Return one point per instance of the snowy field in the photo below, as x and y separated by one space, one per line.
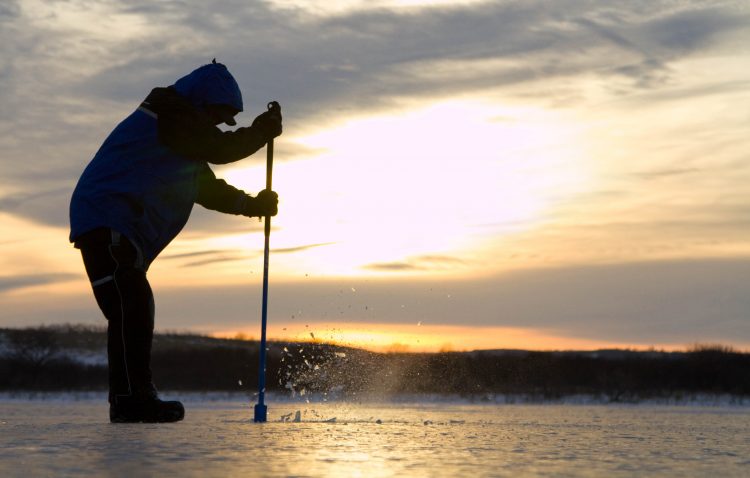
66 437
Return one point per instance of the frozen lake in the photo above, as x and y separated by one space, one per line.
218 438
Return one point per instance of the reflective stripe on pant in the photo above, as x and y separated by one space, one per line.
124 295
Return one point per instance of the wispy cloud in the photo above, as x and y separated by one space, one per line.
232 255
393 266
41 206
432 263
675 172
215 259
670 302
192 254
291 250
23 281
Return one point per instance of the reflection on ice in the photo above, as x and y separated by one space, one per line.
408 439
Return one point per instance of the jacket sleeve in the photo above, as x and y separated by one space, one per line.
188 131
217 195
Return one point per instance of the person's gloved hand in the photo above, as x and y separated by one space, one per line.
268 123
266 203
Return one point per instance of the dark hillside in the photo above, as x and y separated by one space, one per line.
71 358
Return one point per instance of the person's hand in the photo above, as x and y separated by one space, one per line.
266 203
268 123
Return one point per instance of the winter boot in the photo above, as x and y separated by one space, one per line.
147 409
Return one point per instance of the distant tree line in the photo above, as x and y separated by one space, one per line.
65 359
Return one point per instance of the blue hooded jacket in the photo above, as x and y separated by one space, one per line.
145 189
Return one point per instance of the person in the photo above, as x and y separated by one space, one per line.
136 195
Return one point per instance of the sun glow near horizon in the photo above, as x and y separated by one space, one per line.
419 337
395 192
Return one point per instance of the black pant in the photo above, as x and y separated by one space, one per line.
118 277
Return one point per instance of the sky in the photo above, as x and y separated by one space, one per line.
453 175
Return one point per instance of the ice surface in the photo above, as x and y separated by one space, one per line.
219 438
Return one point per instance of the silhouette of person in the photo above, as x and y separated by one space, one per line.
136 195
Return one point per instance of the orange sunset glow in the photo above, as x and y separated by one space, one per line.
425 338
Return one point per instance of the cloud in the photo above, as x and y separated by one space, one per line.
694 29
419 263
9 10
216 259
207 257
367 57
666 173
393 266
291 250
669 302
649 73
192 254
23 281
45 207
232 255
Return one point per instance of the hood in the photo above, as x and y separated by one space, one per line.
210 84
